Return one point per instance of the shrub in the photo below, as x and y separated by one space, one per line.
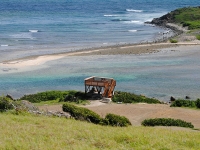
166 122
198 37
116 120
83 114
54 95
198 103
5 104
173 41
183 103
126 97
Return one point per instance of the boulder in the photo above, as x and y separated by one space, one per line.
187 97
172 99
10 97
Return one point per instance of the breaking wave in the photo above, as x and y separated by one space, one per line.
110 15
33 31
134 10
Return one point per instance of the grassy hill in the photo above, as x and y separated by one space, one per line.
187 16
45 133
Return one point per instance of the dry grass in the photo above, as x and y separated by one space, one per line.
45 133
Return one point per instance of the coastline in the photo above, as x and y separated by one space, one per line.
124 49
134 49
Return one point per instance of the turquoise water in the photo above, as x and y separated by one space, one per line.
161 75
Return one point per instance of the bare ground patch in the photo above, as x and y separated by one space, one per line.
136 113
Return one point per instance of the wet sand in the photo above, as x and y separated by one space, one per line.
136 49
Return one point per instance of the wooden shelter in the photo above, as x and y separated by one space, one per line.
102 86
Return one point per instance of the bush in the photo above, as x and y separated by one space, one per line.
183 103
198 37
82 114
85 114
116 120
54 95
126 97
5 104
167 122
173 41
198 103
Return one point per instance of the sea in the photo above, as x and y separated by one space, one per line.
38 27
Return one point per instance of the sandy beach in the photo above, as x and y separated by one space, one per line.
136 49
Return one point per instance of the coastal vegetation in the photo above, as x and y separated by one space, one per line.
80 97
173 41
5 103
198 37
166 122
84 114
126 97
186 103
61 96
187 17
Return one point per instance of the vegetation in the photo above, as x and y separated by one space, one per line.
198 37
5 103
173 41
60 96
186 103
183 103
48 133
198 103
85 114
116 120
126 97
82 114
188 16
167 122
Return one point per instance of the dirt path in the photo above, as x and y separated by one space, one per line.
136 113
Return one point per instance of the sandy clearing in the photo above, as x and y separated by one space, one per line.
136 113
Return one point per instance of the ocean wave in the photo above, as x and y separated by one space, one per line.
134 10
110 15
33 31
22 36
4 45
134 22
132 30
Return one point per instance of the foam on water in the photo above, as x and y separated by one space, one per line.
111 15
4 45
22 36
132 30
134 10
33 31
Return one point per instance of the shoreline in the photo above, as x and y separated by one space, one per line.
134 49
122 49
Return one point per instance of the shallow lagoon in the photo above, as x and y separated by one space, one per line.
170 72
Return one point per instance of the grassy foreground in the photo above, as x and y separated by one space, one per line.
27 132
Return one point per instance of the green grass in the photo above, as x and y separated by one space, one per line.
55 102
45 133
188 16
198 37
127 97
173 41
